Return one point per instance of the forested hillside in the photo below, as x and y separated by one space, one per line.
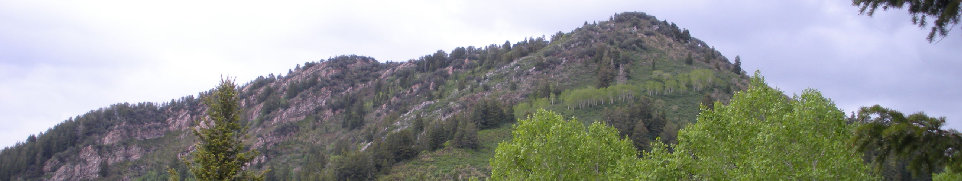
439 116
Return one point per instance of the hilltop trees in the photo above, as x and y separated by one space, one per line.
945 12
738 65
220 151
25 160
432 62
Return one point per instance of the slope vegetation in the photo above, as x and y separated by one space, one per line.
438 116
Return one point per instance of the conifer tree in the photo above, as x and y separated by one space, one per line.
945 12
220 153
888 135
738 65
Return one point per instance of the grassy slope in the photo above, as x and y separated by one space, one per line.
451 163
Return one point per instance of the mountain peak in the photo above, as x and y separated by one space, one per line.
352 111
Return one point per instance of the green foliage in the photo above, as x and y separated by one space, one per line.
315 162
661 83
761 135
273 102
737 68
220 151
945 12
25 160
708 101
638 121
606 75
547 147
354 166
488 113
607 62
888 135
947 175
466 136
402 145
433 62
459 53
418 124
586 97
543 90
354 111
296 87
435 135
352 125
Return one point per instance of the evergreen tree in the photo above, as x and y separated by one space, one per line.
916 138
946 12
738 65
220 151
466 136
606 75
640 135
487 113
418 124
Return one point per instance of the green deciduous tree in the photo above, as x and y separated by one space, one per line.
220 153
760 135
547 147
945 12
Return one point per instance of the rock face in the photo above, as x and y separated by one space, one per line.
126 142
85 168
90 163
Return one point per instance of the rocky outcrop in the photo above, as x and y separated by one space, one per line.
86 167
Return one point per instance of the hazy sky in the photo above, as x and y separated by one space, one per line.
59 59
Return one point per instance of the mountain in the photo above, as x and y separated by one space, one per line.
439 116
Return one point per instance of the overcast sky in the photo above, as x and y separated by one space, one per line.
59 59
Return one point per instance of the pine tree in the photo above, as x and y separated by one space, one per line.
738 65
945 12
606 75
220 151
466 136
